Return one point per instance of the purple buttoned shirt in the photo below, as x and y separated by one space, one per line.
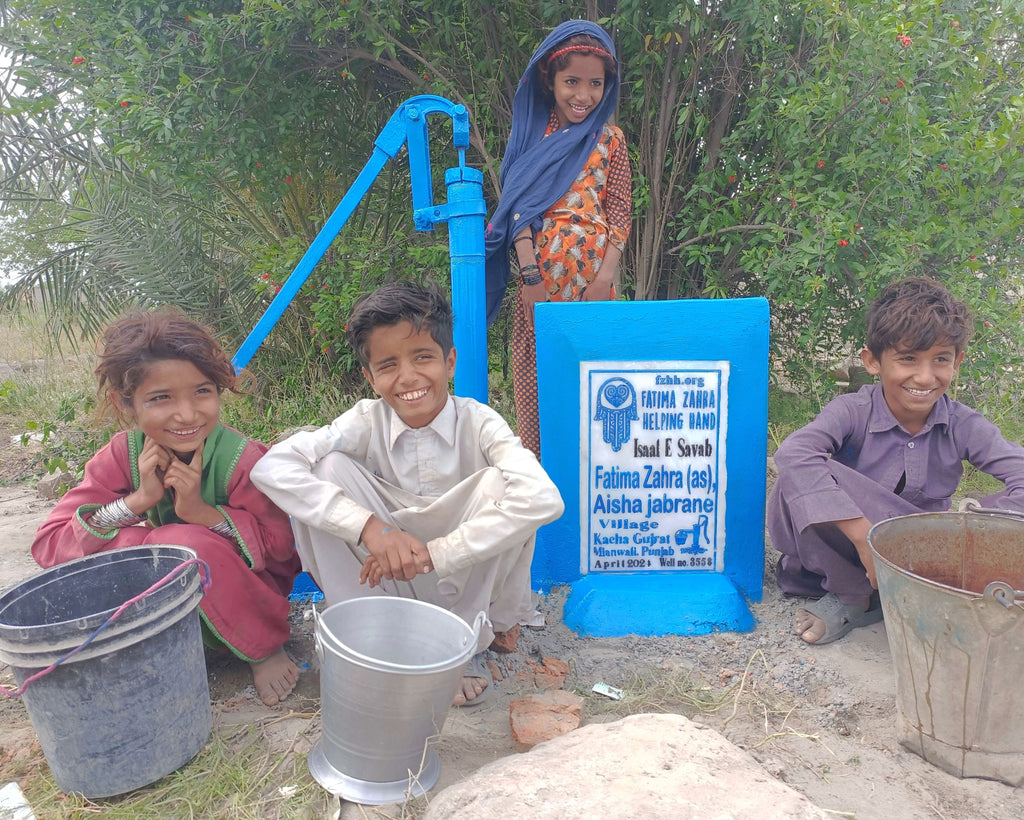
860 431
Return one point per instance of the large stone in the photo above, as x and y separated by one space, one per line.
644 766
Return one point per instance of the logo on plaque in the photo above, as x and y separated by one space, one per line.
653 487
616 409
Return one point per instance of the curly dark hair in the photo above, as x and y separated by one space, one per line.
128 348
422 306
916 313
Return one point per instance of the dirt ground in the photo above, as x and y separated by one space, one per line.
820 719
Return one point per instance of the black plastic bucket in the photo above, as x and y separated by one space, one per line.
134 705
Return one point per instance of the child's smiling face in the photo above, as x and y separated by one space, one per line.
409 371
176 405
578 88
914 380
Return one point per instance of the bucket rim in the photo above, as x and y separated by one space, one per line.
368 662
153 606
963 515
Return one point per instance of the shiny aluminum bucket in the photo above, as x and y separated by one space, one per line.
389 670
954 617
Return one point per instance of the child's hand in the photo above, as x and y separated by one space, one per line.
530 296
371 572
856 529
600 290
185 480
399 554
869 565
868 560
153 462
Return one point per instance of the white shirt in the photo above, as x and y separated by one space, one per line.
464 438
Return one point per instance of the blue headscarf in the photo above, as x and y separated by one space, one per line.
536 174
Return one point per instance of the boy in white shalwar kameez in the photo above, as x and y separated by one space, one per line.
419 493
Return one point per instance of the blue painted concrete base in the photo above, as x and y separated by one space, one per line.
606 606
305 589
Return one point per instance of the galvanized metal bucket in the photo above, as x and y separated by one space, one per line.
389 670
954 614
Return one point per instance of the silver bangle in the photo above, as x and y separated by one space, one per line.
113 516
224 528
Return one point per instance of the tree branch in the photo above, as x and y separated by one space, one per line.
732 229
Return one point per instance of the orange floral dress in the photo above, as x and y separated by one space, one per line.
571 245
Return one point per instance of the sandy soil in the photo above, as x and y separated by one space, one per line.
821 719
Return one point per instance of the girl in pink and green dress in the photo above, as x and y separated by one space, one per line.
179 476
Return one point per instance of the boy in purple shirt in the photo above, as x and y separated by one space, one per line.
891 449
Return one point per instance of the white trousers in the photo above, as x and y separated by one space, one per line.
499 586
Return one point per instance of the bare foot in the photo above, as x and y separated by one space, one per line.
811 627
474 682
274 677
471 689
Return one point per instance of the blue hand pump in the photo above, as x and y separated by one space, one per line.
464 212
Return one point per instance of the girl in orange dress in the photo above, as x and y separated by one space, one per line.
566 199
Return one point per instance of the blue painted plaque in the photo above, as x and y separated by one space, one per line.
659 449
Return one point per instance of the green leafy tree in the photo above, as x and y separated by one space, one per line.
809 152
812 152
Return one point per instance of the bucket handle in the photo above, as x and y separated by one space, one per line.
479 622
204 582
317 643
998 591
1003 593
972 505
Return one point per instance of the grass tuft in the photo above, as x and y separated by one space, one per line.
234 776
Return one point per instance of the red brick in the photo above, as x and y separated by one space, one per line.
540 717
505 642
